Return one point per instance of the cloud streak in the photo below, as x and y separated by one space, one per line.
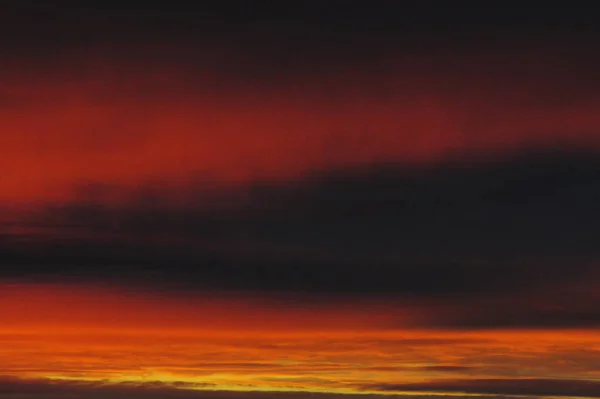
527 387
44 389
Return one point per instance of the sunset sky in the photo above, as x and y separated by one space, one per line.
252 199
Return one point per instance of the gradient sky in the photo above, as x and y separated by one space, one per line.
245 199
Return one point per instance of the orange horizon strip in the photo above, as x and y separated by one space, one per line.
87 333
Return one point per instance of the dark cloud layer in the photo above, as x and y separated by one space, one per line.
464 229
532 207
45 389
42 389
292 33
15 387
539 387
329 16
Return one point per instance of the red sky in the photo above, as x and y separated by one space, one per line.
176 119
90 119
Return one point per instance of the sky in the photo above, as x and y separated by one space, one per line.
252 199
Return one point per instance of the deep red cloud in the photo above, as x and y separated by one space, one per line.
100 119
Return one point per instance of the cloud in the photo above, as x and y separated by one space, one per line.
448 368
520 208
494 230
136 113
528 387
46 389
42 389
491 388
316 360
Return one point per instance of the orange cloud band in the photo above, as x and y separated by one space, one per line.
84 333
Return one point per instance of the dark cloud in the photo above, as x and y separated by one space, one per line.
325 17
464 229
528 316
463 221
297 37
45 389
10 387
387 210
533 386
